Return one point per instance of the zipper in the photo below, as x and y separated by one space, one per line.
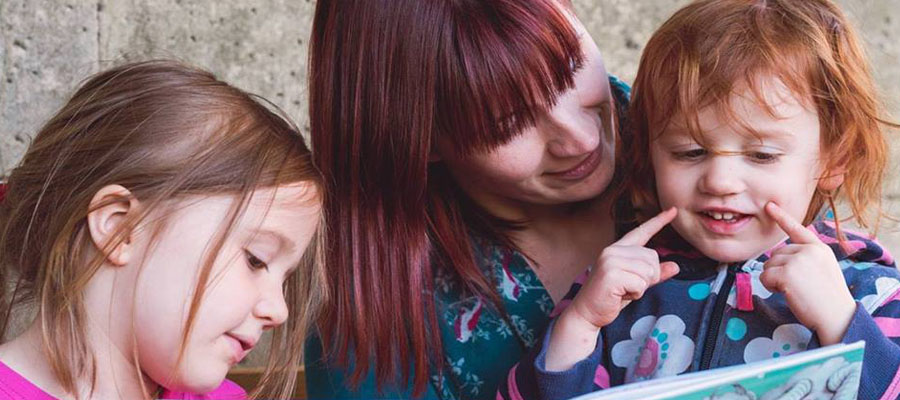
718 310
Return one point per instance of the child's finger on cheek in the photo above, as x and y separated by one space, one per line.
643 233
794 229
783 219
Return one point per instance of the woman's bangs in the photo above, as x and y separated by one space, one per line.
497 79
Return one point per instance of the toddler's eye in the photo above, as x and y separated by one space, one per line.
689 155
254 262
762 157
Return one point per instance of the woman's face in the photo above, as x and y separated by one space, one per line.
568 156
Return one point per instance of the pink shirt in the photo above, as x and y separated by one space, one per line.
15 387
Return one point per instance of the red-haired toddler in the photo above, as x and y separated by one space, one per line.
750 118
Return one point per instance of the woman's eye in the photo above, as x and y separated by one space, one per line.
689 155
575 64
762 157
254 262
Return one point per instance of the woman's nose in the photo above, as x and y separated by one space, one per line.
570 130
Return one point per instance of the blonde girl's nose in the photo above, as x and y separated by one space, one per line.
271 307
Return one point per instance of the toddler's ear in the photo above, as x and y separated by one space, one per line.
110 209
832 178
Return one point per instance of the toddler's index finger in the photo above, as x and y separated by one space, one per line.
642 234
795 230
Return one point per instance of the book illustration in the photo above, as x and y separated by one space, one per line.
831 372
835 379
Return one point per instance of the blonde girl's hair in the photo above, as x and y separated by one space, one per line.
163 130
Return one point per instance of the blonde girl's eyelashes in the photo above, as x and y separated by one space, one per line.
254 262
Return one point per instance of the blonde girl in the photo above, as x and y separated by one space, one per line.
157 223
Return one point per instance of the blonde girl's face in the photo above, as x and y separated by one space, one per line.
243 297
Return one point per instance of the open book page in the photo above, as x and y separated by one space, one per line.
805 375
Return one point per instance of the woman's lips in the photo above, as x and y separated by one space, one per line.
582 170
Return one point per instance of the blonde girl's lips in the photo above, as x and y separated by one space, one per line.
239 350
582 170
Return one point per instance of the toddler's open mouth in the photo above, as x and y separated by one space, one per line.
730 217
722 221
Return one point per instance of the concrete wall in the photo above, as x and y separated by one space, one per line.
48 46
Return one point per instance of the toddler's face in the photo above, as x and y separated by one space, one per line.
721 189
243 295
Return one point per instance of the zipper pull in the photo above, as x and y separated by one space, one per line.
744 290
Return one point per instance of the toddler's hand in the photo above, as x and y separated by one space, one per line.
808 275
623 272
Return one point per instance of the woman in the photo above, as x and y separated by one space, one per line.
467 148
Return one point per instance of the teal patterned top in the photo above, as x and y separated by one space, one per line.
480 344
478 341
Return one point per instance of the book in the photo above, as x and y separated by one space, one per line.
831 372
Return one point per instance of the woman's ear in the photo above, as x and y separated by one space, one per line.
111 208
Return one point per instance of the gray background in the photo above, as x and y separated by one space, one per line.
48 46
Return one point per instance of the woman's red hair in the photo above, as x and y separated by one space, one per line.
386 81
